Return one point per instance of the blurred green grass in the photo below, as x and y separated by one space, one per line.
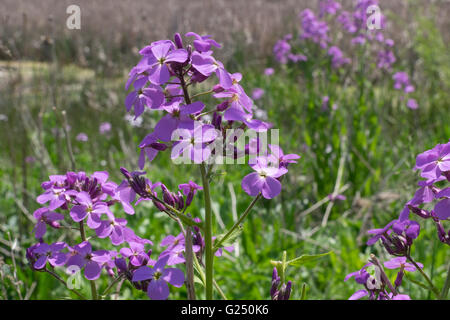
377 137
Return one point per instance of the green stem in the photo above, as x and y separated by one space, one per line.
432 287
446 287
209 254
202 93
57 277
111 285
237 223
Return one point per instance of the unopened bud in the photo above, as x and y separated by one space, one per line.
178 41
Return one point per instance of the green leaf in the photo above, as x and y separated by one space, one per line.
305 258
230 239
198 280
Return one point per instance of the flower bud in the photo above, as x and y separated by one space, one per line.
126 173
398 280
218 88
158 146
180 201
55 224
159 205
178 41
189 198
222 106
168 197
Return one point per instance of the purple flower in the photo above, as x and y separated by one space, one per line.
113 228
81 256
45 217
150 148
158 289
435 161
140 98
189 190
136 254
385 59
313 28
51 253
158 55
400 262
86 208
264 180
54 195
412 104
425 194
257 93
206 65
105 127
281 50
379 233
237 114
82 137
269 71
176 115
329 7
337 57
203 43
193 142
361 276
277 156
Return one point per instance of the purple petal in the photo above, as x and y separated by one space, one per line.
92 270
358 295
78 213
173 276
143 273
252 184
158 290
271 188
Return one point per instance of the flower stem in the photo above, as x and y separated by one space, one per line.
432 287
237 223
209 254
57 277
111 285
446 287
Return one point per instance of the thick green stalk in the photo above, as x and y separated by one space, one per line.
209 254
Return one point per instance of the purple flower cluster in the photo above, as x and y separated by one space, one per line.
352 22
434 167
313 28
402 83
160 81
398 235
88 200
378 287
